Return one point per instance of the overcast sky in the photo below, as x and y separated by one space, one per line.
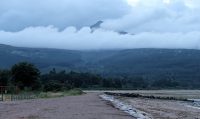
64 24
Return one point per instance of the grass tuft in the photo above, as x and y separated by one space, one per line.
72 92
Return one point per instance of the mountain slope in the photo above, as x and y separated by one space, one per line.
41 57
151 63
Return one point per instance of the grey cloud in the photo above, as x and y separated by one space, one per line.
18 14
178 16
155 24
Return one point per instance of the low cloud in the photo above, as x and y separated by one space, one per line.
84 39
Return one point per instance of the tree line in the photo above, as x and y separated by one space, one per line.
27 76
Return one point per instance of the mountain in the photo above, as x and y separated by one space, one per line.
97 25
43 58
151 63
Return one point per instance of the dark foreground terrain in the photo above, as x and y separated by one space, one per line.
88 106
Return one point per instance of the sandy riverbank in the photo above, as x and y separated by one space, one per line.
164 109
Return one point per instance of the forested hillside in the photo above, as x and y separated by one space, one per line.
178 64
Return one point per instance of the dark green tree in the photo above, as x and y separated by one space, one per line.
5 78
165 83
26 75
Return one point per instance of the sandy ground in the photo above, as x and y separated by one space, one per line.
189 94
88 106
162 109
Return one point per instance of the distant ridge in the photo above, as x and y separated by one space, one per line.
178 64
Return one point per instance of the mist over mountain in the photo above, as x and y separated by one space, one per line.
153 39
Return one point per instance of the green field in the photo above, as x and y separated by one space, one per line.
36 95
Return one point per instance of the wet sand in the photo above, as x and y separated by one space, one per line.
164 109
88 106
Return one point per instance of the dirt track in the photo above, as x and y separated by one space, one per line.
88 106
